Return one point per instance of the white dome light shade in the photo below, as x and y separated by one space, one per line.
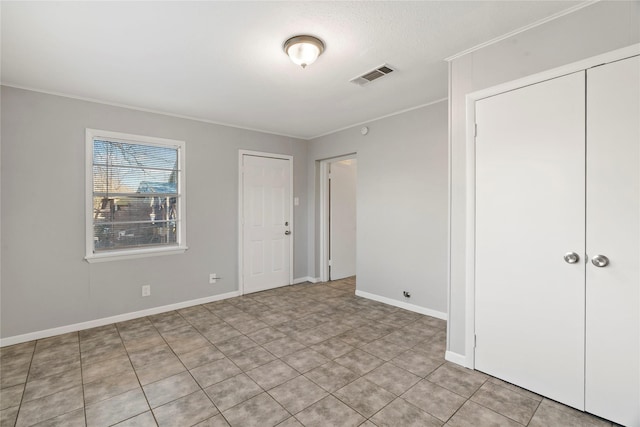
303 50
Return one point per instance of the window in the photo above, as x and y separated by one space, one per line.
135 196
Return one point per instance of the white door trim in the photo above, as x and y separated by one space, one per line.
241 154
470 243
324 213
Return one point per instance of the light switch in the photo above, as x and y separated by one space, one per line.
296 201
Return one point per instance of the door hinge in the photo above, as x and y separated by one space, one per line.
475 340
475 130
329 263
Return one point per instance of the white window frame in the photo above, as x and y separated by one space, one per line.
122 254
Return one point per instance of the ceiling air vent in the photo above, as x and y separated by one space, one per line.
372 75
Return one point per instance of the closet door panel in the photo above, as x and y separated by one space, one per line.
612 383
530 189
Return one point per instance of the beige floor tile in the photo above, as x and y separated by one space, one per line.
214 372
11 396
48 367
252 358
184 339
525 393
283 346
165 322
433 399
8 416
117 408
384 350
71 419
359 361
249 326
116 366
401 413
290 422
416 362
333 348
215 421
14 373
109 386
263 336
331 376
364 396
157 371
296 394
472 415
305 360
148 342
186 411
551 413
507 402
329 412
18 350
50 406
145 419
460 380
147 356
169 389
272 374
200 356
103 352
236 345
230 392
259 411
392 378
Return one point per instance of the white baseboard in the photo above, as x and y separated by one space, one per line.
17 339
405 305
458 359
305 279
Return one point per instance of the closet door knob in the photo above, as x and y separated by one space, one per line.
600 261
571 257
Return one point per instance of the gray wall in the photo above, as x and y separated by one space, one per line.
401 204
593 30
45 281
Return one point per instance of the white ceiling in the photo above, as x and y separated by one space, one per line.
223 61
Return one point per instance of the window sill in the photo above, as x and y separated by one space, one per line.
134 253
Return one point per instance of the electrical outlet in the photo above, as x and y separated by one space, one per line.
146 290
213 278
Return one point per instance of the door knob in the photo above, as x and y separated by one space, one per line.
600 261
286 233
571 257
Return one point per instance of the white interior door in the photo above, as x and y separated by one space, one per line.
342 218
612 388
266 223
530 199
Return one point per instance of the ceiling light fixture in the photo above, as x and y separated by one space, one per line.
303 50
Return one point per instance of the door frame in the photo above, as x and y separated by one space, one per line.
241 154
470 234
324 212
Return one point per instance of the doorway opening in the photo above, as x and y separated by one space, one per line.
338 219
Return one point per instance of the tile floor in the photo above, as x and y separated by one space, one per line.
311 355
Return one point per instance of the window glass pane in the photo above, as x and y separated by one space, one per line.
135 195
134 209
127 180
127 235
134 155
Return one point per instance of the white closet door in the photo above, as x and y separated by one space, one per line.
613 229
530 190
